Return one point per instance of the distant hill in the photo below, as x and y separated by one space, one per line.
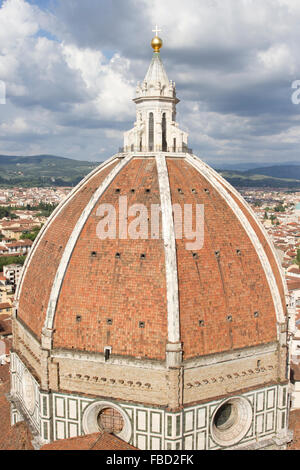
244 166
282 171
50 170
279 176
42 170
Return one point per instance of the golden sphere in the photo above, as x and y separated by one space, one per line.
156 44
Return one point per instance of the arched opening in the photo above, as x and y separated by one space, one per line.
151 132
174 144
164 133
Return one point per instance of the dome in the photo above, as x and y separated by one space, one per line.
138 295
152 304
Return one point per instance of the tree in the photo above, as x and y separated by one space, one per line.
7 213
31 235
5 260
298 257
279 208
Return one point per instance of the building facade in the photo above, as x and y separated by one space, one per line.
164 339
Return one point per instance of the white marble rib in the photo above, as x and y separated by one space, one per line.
170 250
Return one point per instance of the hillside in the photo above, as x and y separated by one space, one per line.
279 176
50 170
282 171
42 170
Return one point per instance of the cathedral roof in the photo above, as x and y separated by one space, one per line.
144 296
95 441
138 295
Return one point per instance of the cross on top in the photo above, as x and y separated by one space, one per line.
156 30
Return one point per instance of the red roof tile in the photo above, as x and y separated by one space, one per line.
96 441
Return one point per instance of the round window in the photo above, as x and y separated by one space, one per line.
231 421
110 420
108 417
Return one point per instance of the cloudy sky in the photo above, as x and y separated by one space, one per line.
70 68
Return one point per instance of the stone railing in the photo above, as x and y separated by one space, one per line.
153 148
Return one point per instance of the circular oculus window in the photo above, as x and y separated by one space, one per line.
110 420
231 421
108 417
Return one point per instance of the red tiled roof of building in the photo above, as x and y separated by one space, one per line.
8 344
295 372
4 376
294 270
293 284
5 325
96 441
5 305
20 243
17 230
294 425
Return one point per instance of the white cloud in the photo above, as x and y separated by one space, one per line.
105 80
70 73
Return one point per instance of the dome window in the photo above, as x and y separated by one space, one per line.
110 420
78 318
94 254
118 255
143 256
231 421
141 324
107 353
229 318
109 321
256 314
201 322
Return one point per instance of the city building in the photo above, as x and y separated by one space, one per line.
12 273
165 340
5 308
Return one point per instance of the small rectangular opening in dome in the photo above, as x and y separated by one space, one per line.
107 352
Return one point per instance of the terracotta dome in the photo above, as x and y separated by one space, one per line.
152 303
90 292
